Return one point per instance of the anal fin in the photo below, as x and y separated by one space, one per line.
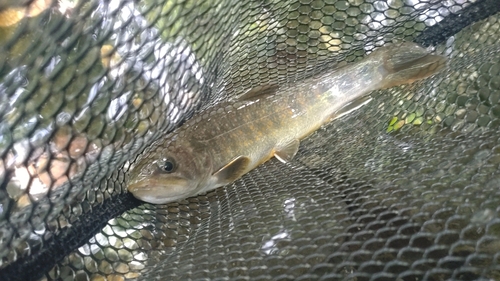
350 107
259 91
288 151
233 170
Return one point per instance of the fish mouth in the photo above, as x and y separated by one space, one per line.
160 192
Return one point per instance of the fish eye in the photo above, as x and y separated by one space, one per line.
166 165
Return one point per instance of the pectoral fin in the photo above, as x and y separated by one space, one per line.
288 151
233 170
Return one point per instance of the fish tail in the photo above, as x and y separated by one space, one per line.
406 63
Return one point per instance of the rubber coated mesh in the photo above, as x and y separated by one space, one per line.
405 188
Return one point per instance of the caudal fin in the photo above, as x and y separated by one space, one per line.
407 62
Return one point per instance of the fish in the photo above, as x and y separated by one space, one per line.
12 15
221 144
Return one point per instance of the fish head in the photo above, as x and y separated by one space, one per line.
169 174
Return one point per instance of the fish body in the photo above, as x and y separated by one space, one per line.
230 139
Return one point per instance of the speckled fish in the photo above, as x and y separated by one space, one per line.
225 142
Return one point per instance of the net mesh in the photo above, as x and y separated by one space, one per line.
405 188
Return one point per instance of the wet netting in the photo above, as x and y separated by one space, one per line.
405 188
